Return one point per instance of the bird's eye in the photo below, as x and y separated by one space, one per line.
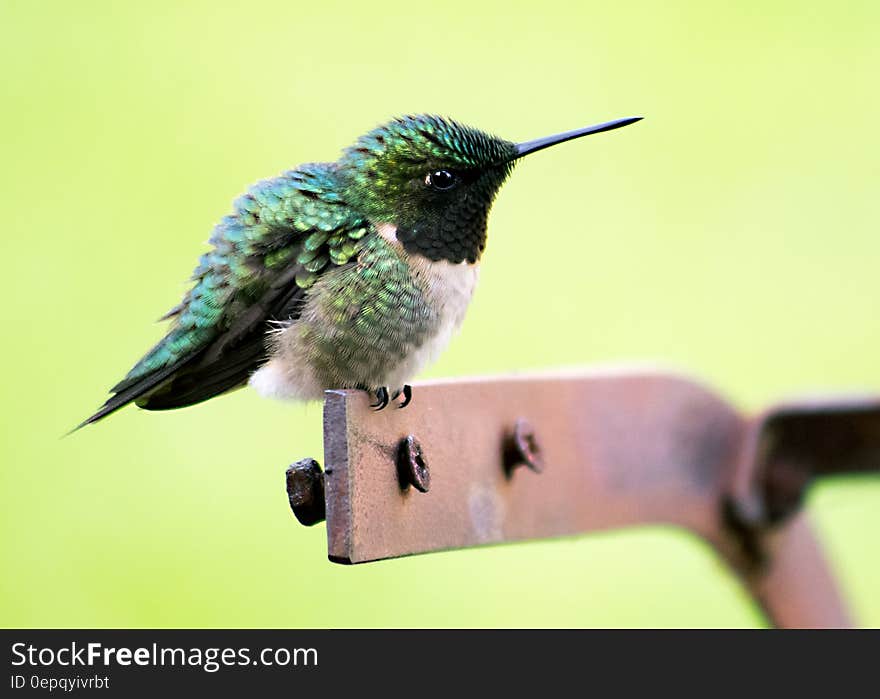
441 180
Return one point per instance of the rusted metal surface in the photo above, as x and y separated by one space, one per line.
604 450
795 585
792 443
784 449
617 450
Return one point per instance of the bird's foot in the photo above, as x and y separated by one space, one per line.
381 399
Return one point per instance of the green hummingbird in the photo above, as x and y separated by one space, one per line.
352 274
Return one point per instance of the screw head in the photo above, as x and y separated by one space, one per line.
305 491
412 468
521 448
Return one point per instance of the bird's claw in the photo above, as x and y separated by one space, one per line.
406 392
407 396
381 399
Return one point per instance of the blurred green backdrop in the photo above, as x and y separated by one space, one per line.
733 233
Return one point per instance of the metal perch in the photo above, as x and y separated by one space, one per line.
600 450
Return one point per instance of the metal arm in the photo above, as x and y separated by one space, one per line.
487 461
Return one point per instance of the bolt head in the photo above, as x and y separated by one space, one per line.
522 448
305 491
412 468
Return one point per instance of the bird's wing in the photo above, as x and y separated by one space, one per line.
282 235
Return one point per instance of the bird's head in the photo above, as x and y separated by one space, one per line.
434 180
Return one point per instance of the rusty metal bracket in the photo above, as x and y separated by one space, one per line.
603 449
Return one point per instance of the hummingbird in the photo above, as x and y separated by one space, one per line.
351 274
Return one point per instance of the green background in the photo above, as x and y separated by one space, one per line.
733 233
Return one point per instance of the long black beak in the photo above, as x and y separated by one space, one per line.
541 143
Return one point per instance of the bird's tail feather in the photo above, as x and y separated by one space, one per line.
131 393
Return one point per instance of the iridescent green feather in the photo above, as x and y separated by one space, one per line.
295 224
382 164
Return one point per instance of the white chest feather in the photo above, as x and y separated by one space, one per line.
448 289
